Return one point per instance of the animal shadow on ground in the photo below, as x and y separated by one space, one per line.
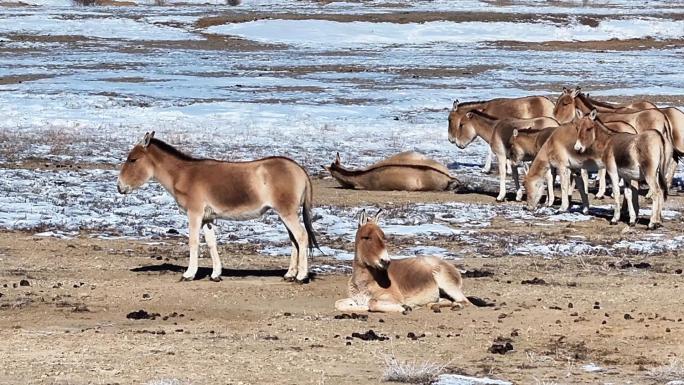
204 272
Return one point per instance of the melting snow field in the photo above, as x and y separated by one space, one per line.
81 84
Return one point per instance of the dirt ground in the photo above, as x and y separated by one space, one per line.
68 323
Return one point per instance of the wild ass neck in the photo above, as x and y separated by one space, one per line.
166 167
484 126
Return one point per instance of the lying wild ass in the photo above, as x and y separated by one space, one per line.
634 158
521 108
208 189
497 133
558 152
407 171
384 285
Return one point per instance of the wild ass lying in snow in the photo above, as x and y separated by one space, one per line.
634 158
497 133
407 171
520 108
384 285
208 189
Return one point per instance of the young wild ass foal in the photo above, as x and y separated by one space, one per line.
520 108
407 171
384 285
634 158
208 189
497 133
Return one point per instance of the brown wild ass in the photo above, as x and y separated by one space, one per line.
558 152
520 108
634 158
407 171
571 100
497 133
524 146
384 285
208 189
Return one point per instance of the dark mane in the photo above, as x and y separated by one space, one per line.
593 102
169 149
466 104
484 115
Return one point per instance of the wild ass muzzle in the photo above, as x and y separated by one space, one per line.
407 171
634 158
208 189
381 284
519 108
497 133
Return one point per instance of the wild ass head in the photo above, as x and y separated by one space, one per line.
564 110
336 164
461 130
138 168
586 132
371 245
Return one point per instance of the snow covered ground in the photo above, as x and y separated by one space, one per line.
85 83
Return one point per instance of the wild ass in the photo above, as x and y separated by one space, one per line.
497 133
520 108
633 157
524 145
558 152
384 285
573 99
208 189
408 171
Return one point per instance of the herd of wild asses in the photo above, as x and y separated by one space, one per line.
630 143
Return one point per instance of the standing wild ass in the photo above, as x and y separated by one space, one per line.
633 157
384 285
521 108
407 171
208 189
497 133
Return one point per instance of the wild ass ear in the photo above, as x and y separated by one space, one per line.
565 90
456 104
515 132
578 113
363 218
147 139
376 217
575 92
337 158
469 115
592 114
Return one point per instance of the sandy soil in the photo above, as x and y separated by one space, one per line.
70 325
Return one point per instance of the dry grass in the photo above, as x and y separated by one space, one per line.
673 371
410 372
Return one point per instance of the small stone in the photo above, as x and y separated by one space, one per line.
628 316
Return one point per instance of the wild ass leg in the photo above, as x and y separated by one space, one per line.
582 188
585 180
565 187
349 304
630 194
195 223
488 163
516 181
210 237
601 193
385 306
549 188
301 243
502 177
615 180
654 186
294 256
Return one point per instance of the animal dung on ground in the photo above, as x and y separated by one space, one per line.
533 281
477 273
370 335
501 346
361 317
406 171
24 282
142 314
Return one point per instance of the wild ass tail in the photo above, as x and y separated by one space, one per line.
306 214
663 165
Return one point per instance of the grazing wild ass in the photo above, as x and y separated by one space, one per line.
524 146
634 158
407 171
520 108
208 189
497 133
558 152
384 285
